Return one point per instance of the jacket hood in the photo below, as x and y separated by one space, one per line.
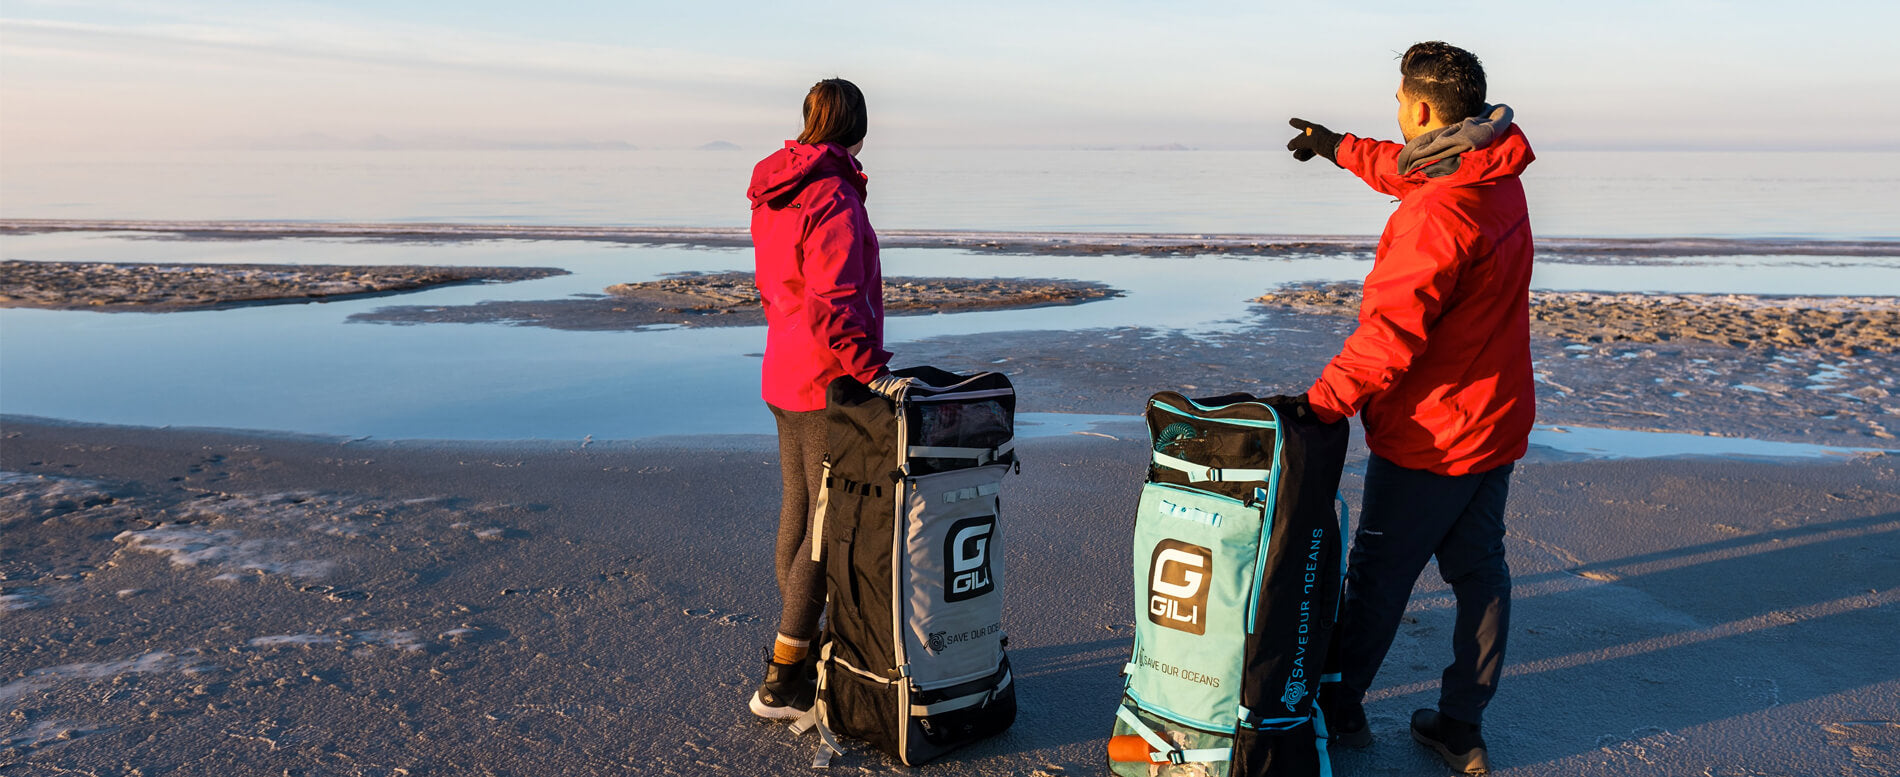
780 176
1446 150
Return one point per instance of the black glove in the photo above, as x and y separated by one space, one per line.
1313 140
1296 403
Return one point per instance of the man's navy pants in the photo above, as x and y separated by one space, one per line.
1410 516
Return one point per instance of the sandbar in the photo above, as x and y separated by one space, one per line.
158 288
731 299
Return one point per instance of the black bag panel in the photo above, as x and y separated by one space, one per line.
932 736
860 511
858 619
862 708
1209 444
1299 597
861 441
1292 753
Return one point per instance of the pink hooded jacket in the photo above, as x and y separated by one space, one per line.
816 264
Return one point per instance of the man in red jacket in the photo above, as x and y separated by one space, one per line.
1439 371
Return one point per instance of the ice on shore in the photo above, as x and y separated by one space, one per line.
148 663
23 599
189 545
398 639
302 640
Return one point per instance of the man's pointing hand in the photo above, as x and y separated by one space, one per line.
1313 140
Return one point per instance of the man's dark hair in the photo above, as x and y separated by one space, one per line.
834 113
1448 77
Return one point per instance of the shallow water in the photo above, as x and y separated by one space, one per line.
1628 444
1583 441
302 368
1820 195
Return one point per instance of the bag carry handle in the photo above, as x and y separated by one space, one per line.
981 455
960 702
1160 751
1198 473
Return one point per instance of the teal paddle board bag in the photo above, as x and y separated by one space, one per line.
1238 567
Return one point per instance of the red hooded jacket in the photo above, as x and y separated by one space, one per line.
1440 364
816 264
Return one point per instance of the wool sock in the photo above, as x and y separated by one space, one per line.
786 650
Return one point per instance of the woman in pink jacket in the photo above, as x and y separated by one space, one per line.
817 270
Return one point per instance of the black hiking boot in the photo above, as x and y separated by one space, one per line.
1345 720
788 690
1454 740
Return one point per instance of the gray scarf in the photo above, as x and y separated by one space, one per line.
1448 142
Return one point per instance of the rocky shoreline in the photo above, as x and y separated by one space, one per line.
158 288
1842 325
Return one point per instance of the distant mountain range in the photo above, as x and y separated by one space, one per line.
719 145
316 141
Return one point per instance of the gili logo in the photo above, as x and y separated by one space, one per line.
1177 586
966 556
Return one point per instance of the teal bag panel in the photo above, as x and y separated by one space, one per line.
1194 563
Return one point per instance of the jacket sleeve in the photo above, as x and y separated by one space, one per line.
1375 161
1404 295
835 295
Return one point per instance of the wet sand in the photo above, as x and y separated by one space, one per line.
1793 395
161 288
731 299
191 602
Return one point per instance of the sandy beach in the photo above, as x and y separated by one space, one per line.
199 602
195 601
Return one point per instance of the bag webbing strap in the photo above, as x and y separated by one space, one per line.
828 746
1162 751
814 718
1320 735
862 673
971 492
960 702
981 455
817 529
1196 472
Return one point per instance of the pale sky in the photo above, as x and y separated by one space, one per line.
112 74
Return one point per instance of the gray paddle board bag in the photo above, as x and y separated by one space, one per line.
912 655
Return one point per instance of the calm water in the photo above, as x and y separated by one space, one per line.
301 368
1575 194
